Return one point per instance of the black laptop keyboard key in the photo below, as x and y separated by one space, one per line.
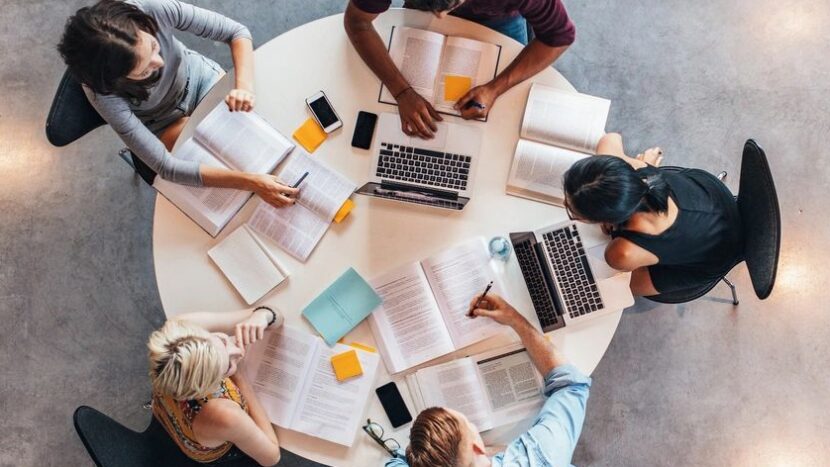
539 293
423 166
573 271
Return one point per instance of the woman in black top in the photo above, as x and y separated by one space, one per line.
673 228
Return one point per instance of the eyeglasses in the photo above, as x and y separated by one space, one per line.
570 213
375 432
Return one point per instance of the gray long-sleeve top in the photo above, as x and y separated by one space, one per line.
127 116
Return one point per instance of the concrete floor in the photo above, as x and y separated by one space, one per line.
696 384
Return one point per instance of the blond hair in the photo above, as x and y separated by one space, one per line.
184 363
434 439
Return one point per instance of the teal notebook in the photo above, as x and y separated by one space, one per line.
342 306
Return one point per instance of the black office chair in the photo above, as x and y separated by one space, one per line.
761 225
72 116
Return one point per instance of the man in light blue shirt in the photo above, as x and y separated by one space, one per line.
444 437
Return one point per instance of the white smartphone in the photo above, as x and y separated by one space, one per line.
323 112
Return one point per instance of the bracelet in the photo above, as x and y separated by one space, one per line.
273 314
402 91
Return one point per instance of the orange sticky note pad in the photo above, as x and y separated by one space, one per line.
344 211
310 135
455 86
346 365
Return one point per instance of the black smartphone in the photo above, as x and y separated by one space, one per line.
364 129
393 404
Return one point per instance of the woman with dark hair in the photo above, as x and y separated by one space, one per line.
674 229
145 83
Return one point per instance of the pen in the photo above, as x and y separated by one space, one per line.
478 302
300 180
475 104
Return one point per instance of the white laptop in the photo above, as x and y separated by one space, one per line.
566 274
434 172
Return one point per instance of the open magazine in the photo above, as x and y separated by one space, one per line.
558 129
297 229
491 389
426 58
241 141
424 311
292 376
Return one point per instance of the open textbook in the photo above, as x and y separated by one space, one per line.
558 129
241 141
424 311
297 229
492 389
292 376
426 58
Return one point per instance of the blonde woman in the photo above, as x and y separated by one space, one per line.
199 397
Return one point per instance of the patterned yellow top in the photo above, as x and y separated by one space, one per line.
177 418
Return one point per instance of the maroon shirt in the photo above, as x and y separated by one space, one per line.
548 18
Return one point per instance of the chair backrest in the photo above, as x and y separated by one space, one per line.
71 115
760 219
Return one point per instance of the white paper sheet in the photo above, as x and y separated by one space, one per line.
247 264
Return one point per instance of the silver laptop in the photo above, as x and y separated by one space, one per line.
437 172
566 274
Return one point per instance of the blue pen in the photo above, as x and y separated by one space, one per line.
475 104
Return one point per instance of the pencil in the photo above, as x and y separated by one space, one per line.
478 302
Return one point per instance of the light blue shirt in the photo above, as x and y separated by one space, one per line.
551 441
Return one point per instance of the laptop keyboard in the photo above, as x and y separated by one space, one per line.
539 293
416 165
570 265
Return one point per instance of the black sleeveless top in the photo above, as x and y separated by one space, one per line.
704 241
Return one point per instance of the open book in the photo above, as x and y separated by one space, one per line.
424 311
298 229
241 141
492 389
292 376
558 129
426 58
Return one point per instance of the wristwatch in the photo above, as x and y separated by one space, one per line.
273 314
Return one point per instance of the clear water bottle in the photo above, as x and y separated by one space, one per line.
500 248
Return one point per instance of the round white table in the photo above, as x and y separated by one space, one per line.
378 235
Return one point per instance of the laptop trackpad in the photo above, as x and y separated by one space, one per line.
596 258
437 143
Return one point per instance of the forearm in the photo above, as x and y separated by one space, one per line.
544 355
225 178
242 53
369 45
531 60
223 321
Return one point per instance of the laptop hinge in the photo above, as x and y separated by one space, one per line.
387 185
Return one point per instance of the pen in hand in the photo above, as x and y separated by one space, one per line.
478 302
300 180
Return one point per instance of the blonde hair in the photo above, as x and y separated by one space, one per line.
434 439
184 363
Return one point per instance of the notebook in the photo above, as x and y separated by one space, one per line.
241 141
424 311
298 229
291 373
438 66
492 389
342 306
558 129
247 264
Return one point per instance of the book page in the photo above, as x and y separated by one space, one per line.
512 385
408 325
456 276
295 229
465 57
331 409
538 169
243 140
246 264
277 367
568 119
455 385
417 54
324 190
210 207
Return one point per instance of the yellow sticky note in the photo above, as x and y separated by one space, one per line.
367 348
344 211
346 365
310 135
455 86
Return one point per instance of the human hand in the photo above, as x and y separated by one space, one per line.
418 117
253 328
606 228
485 95
495 308
651 156
240 99
269 188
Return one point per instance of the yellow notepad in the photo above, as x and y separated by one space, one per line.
455 86
310 135
344 211
346 365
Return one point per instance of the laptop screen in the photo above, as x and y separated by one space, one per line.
415 195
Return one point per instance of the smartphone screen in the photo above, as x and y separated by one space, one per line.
364 129
393 404
322 109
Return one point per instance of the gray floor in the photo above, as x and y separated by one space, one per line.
698 384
